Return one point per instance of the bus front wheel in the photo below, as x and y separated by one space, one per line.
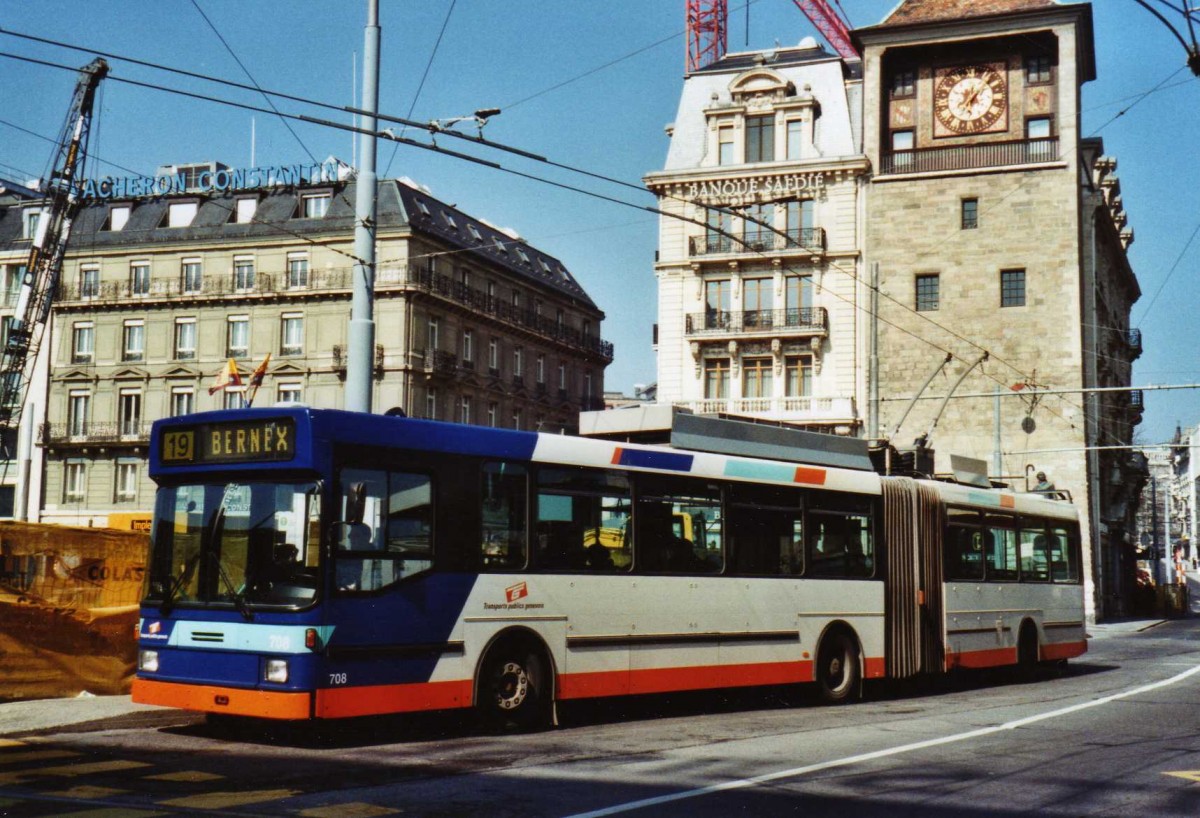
839 670
514 688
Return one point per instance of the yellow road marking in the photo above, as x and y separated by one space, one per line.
11 742
184 775
355 809
1190 775
35 755
87 791
112 812
73 770
221 800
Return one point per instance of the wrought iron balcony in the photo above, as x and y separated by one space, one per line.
809 239
1134 341
440 362
1136 405
966 157
89 434
801 321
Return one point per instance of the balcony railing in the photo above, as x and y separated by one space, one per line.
61 434
1134 340
339 279
809 239
1136 404
966 157
440 362
808 408
809 320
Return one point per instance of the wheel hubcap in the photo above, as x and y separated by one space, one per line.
512 687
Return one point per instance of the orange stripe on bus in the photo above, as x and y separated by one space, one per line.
266 704
982 658
1063 650
874 668
663 680
343 702
1007 501
807 474
616 458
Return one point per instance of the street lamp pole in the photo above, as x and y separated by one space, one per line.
361 344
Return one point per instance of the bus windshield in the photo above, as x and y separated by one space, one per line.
237 544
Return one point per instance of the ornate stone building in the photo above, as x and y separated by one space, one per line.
759 306
997 227
472 323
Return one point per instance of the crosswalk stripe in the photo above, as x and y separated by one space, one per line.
73 770
222 800
111 812
34 755
355 809
86 791
184 776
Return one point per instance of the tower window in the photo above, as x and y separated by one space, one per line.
928 292
904 84
1039 69
1012 288
970 214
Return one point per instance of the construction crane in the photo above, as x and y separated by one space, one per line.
48 243
708 29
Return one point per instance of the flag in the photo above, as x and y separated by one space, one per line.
227 377
256 379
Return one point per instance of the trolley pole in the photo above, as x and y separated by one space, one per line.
360 365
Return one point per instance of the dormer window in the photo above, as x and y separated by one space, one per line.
760 138
499 245
725 150
421 206
524 257
474 232
30 220
244 208
453 225
181 214
118 217
315 205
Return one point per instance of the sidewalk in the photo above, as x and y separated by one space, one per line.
44 714
1121 627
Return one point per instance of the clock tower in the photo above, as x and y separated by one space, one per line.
994 239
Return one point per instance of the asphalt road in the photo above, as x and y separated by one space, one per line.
1115 733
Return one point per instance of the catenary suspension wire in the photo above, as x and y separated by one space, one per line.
421 85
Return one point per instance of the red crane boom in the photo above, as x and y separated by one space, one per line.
832 27
708 30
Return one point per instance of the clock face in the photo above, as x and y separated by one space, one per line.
970 99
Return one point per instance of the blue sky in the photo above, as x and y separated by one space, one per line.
608 119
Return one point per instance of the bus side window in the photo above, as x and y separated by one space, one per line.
1002 550
582 521
678 526
384 533
1063 565
1035 564
766 531
502 497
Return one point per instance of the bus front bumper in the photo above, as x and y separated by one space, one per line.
264 704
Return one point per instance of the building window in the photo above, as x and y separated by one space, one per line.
468 346
1038 127
1039 69
757 377
127 481
297 271
757 302
716 378
292 334
587 387
518 362
180 214
183 400
795 139
74 481
970 214
760 138
720 228
89 282
316 205
244 210
234 398
185 339
432 333
725 151
798 292
562 377
134 335
139 278
541 368
800 222
758 227
238 337
83 343
493 414
190 275
78 407
431 404
243 273
1012 288
129 408
29 226
904 84
14 274
928 289
494 355
118 217
288 393
798 373
518 419
717 296
464 409
902 141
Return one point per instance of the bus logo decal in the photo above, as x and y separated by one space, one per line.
514 592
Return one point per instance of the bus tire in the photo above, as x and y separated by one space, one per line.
839 668
1027 650
514 687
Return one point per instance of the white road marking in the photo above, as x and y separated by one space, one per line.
891 751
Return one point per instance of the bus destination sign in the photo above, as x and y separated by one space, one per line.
239 442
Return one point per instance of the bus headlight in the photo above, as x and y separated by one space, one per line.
276 671
148 661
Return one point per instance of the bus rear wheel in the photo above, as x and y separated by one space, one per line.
839 670
514 688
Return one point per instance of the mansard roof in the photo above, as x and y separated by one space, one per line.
401 205
928 11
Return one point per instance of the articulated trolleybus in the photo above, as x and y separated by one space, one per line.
320 564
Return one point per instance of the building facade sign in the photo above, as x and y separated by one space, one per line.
211 181
756 188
